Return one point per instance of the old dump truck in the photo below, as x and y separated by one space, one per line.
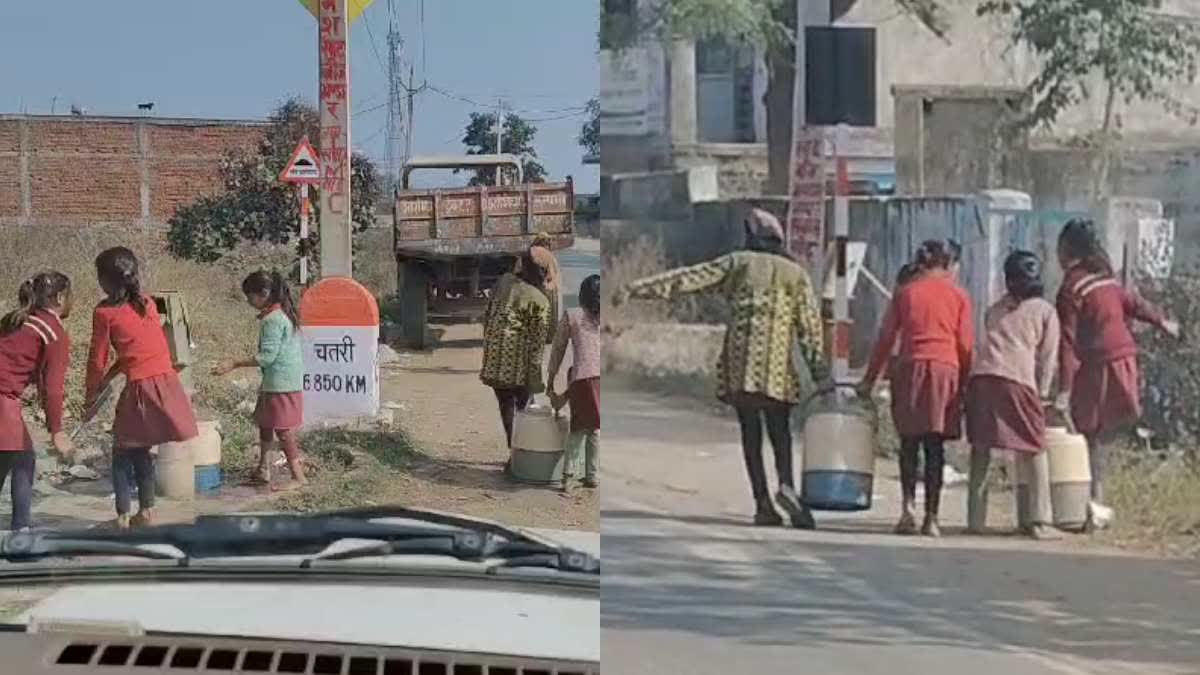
453 244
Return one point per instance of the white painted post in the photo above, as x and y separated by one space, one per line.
841 233
334 144
304 206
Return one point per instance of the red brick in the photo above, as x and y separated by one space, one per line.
89 169
91 138
176 182
90 188
10 136
10 186
188 141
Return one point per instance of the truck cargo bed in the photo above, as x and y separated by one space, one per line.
482 220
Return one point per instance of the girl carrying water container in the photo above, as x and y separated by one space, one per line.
1098 368
581 328
280 409
930 317
34 349
153 407
1013 371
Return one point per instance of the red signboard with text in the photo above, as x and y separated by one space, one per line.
806 204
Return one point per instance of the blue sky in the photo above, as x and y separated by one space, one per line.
238 58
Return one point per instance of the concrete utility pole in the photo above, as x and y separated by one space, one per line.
499 136
334 144
395 114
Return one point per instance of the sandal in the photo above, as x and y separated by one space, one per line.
907 524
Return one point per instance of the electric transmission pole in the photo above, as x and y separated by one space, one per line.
395 113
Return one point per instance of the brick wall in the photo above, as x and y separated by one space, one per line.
115 170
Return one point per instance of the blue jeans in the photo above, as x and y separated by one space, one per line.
130 466
21 467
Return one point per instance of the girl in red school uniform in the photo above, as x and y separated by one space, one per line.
1098 370
34 349
153 408
931 317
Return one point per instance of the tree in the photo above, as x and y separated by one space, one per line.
1133 50
589 133
480 139
255 206
771 23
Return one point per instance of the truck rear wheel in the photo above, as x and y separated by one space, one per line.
414 304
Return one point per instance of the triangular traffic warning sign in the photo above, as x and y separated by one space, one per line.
304 166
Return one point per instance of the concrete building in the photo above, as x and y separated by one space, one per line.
687 104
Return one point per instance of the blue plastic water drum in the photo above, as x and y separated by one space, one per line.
839 461
208 477
837 490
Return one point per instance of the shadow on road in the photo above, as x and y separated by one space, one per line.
793 591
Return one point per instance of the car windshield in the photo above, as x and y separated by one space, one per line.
249 342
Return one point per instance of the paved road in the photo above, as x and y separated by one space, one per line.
689 588
576 264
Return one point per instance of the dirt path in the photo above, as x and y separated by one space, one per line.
453 418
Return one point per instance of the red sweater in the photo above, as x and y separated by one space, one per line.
931 316
1094 310
139 341
37 352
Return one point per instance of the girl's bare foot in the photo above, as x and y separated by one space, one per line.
121 522
143 518
288 486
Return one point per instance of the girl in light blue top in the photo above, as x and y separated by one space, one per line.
280 409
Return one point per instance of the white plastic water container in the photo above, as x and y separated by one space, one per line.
838 472
1070 477
175 471
537 445
206 448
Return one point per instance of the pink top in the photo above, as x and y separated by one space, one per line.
1020 343
583 332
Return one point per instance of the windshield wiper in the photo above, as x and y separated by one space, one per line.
309 535
23 546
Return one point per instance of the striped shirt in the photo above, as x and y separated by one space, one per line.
37 353
1095 310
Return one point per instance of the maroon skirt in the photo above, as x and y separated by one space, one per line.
1004 415
1106 396
279 411
153 411
926 400
584 396
14 435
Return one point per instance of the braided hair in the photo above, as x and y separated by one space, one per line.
1080 241
1023 275
40 291
275 287
117 269
937 254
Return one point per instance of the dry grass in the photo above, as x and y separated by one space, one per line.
1157 504
223 326
640 259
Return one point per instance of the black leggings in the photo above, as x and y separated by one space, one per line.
935 462
510 402
130 466
779 429
19 468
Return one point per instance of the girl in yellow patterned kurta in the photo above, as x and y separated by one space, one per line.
773 307
516 323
